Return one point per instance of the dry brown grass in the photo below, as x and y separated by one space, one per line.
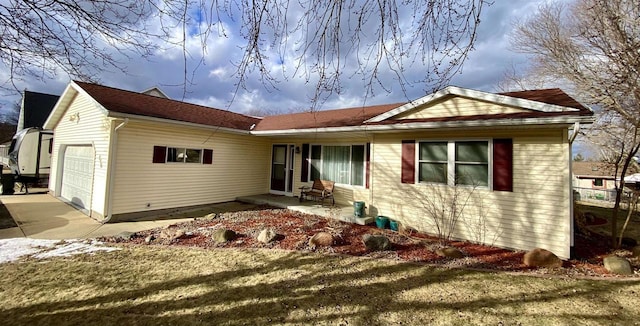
158 285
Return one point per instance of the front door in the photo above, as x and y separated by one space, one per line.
282 169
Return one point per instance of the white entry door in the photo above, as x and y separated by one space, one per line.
77 176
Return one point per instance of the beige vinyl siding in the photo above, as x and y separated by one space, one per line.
457 106
240 168
84 123
343 194
535 214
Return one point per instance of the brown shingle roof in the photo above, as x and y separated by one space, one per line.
128 102
597 169
323 119
553 96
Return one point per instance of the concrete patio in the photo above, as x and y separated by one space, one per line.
339 212
41 216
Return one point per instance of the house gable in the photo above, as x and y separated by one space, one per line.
457 106
539 103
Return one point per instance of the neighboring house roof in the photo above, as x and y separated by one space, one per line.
592 170
533 108
155 91
35 109
122 103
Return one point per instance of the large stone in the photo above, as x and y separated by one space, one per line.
267 235
539 257
125 235
376 242
617 265
449 252
635 252
223 235
321 239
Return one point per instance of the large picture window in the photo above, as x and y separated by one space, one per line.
343 164
454 162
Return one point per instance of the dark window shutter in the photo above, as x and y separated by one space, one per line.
503 164
367 158
304 171
159 154
408 161
207 157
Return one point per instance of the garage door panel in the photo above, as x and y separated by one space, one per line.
77 175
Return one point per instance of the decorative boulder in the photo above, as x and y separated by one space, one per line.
125 235
449 252
321 239
149 238
267 235
376 242
617 265
223 235
635 252
539 257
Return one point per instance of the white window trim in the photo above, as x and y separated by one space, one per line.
451 161
350 145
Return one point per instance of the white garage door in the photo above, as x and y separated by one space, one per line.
77 175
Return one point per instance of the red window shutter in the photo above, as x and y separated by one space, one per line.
408 161
159 154
304 171
503 164
367 156
207 157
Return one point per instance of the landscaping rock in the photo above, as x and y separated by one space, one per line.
449 252
617 265
125 235
148 239
539 257
179 234
629 242
321 239
223 235
267 235
635 252
376 242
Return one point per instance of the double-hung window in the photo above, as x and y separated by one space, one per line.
343 164
454 162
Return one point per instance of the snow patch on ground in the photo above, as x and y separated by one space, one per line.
14 249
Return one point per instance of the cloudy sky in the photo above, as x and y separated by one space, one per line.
214 84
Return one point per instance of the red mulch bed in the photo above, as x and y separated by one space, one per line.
295 229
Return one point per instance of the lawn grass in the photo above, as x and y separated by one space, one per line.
632 230
160 285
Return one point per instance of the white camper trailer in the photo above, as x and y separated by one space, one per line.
30 154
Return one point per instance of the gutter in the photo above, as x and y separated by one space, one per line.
127 116
572 228
428 125
111 171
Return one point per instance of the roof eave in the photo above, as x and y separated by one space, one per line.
113 114
563 120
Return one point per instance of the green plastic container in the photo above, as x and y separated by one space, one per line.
393 225
382 222
358 208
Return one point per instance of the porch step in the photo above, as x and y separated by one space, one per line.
357 220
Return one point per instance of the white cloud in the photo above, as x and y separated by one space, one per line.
211 81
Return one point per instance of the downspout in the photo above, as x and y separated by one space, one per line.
111 171
576 129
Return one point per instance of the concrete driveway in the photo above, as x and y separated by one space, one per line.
41 216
